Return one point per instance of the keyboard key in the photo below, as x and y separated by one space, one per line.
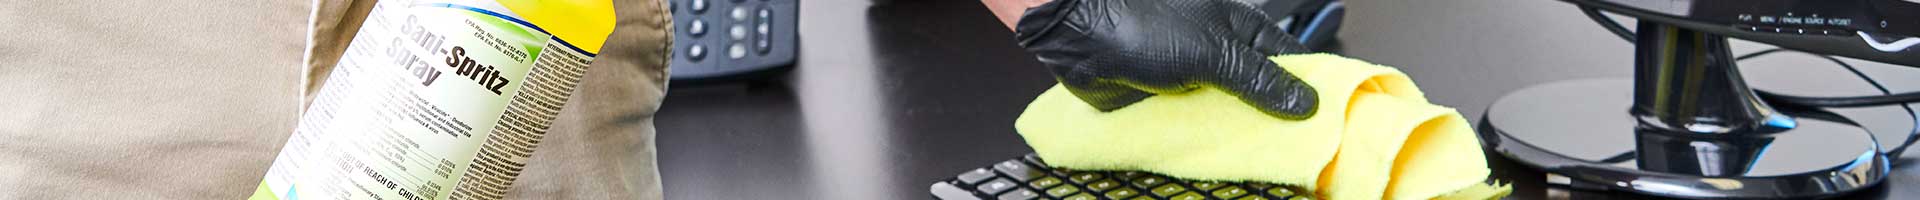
1062 191
1022 194
976 176
1229 192
1128 175
1045 182
1001 181
1259 186
1062 172
1122 193
1103 185
1280 192
1168 190
949 192
1188 196
1017 170
1084 177
1206 185
996 186
1149 181
1034 159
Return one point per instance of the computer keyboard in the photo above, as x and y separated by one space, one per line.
1029 178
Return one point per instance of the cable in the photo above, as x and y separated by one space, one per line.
1895 46
1887 99
1612 26
1839 102
1320 17
1823 101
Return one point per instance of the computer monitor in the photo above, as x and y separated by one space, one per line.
1692 128
1878 30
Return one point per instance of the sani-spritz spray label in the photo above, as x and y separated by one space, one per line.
439 99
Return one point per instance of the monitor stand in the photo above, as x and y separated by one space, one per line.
1685 126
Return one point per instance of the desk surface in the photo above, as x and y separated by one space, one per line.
891 96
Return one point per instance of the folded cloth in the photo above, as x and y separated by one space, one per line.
1375 137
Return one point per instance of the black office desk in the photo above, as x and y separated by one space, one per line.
889 98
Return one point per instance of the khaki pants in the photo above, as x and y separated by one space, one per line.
105 99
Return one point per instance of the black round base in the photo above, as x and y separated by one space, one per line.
1581 134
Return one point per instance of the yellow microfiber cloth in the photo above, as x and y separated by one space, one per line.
1375 137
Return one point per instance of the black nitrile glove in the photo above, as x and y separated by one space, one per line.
1112 53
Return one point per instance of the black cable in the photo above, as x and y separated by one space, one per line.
1912 136
1843 102
1823 101
1888 97
1612 26
1757 54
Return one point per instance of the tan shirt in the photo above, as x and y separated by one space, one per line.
108 99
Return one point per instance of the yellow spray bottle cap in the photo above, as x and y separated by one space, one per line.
583 23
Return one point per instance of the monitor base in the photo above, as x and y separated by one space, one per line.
1581 133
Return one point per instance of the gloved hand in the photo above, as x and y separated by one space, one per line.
1112 53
